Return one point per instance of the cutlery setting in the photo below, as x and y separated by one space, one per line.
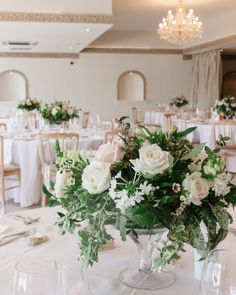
12 237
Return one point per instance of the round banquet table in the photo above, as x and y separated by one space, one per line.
25 153
103 277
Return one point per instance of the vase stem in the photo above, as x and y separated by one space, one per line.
145 277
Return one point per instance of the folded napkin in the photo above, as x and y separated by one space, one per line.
3 228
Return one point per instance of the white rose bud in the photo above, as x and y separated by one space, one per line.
152 160
96 177
63 179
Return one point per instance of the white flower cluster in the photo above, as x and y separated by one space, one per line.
221 184
123 199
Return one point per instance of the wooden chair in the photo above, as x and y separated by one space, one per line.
67 141
168 120
3 126
6 171
188 114
110 134
85 119
138 115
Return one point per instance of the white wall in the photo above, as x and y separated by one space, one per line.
91 83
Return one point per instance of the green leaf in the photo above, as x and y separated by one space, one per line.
121 221
185 132
47 192
143 217
194 152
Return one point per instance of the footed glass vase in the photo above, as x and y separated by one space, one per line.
145 278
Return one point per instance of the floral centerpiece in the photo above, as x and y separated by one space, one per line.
29 104
153 180
58 112
226 107
179 101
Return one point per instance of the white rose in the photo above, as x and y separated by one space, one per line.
152 160
28 102
70 111
63 179
54 111
96 177
197 187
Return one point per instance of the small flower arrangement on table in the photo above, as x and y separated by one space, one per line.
29 104
59 112
226 107
152 180
179 101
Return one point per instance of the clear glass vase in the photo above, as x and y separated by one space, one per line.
145 277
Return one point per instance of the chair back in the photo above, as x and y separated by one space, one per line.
67 141
1 154
169 117
3 126
110 134
85 119
138 115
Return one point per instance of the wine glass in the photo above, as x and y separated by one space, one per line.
35 276
218 276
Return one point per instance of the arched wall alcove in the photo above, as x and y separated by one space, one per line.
131 86
229 84
13 86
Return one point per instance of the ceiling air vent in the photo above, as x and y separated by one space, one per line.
19 44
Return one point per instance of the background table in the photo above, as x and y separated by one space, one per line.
103 277
25 153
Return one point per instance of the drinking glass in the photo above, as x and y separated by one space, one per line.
218 276
73 280
35 276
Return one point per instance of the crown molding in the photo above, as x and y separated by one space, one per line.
132 50
210 44
55 18
39 55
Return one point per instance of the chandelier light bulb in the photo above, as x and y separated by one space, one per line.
180 27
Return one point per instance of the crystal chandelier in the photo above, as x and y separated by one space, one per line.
180 27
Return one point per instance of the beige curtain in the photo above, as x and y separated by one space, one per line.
206 79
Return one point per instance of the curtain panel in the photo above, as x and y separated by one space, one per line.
206 79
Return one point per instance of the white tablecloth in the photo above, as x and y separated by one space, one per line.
25 153
103 277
